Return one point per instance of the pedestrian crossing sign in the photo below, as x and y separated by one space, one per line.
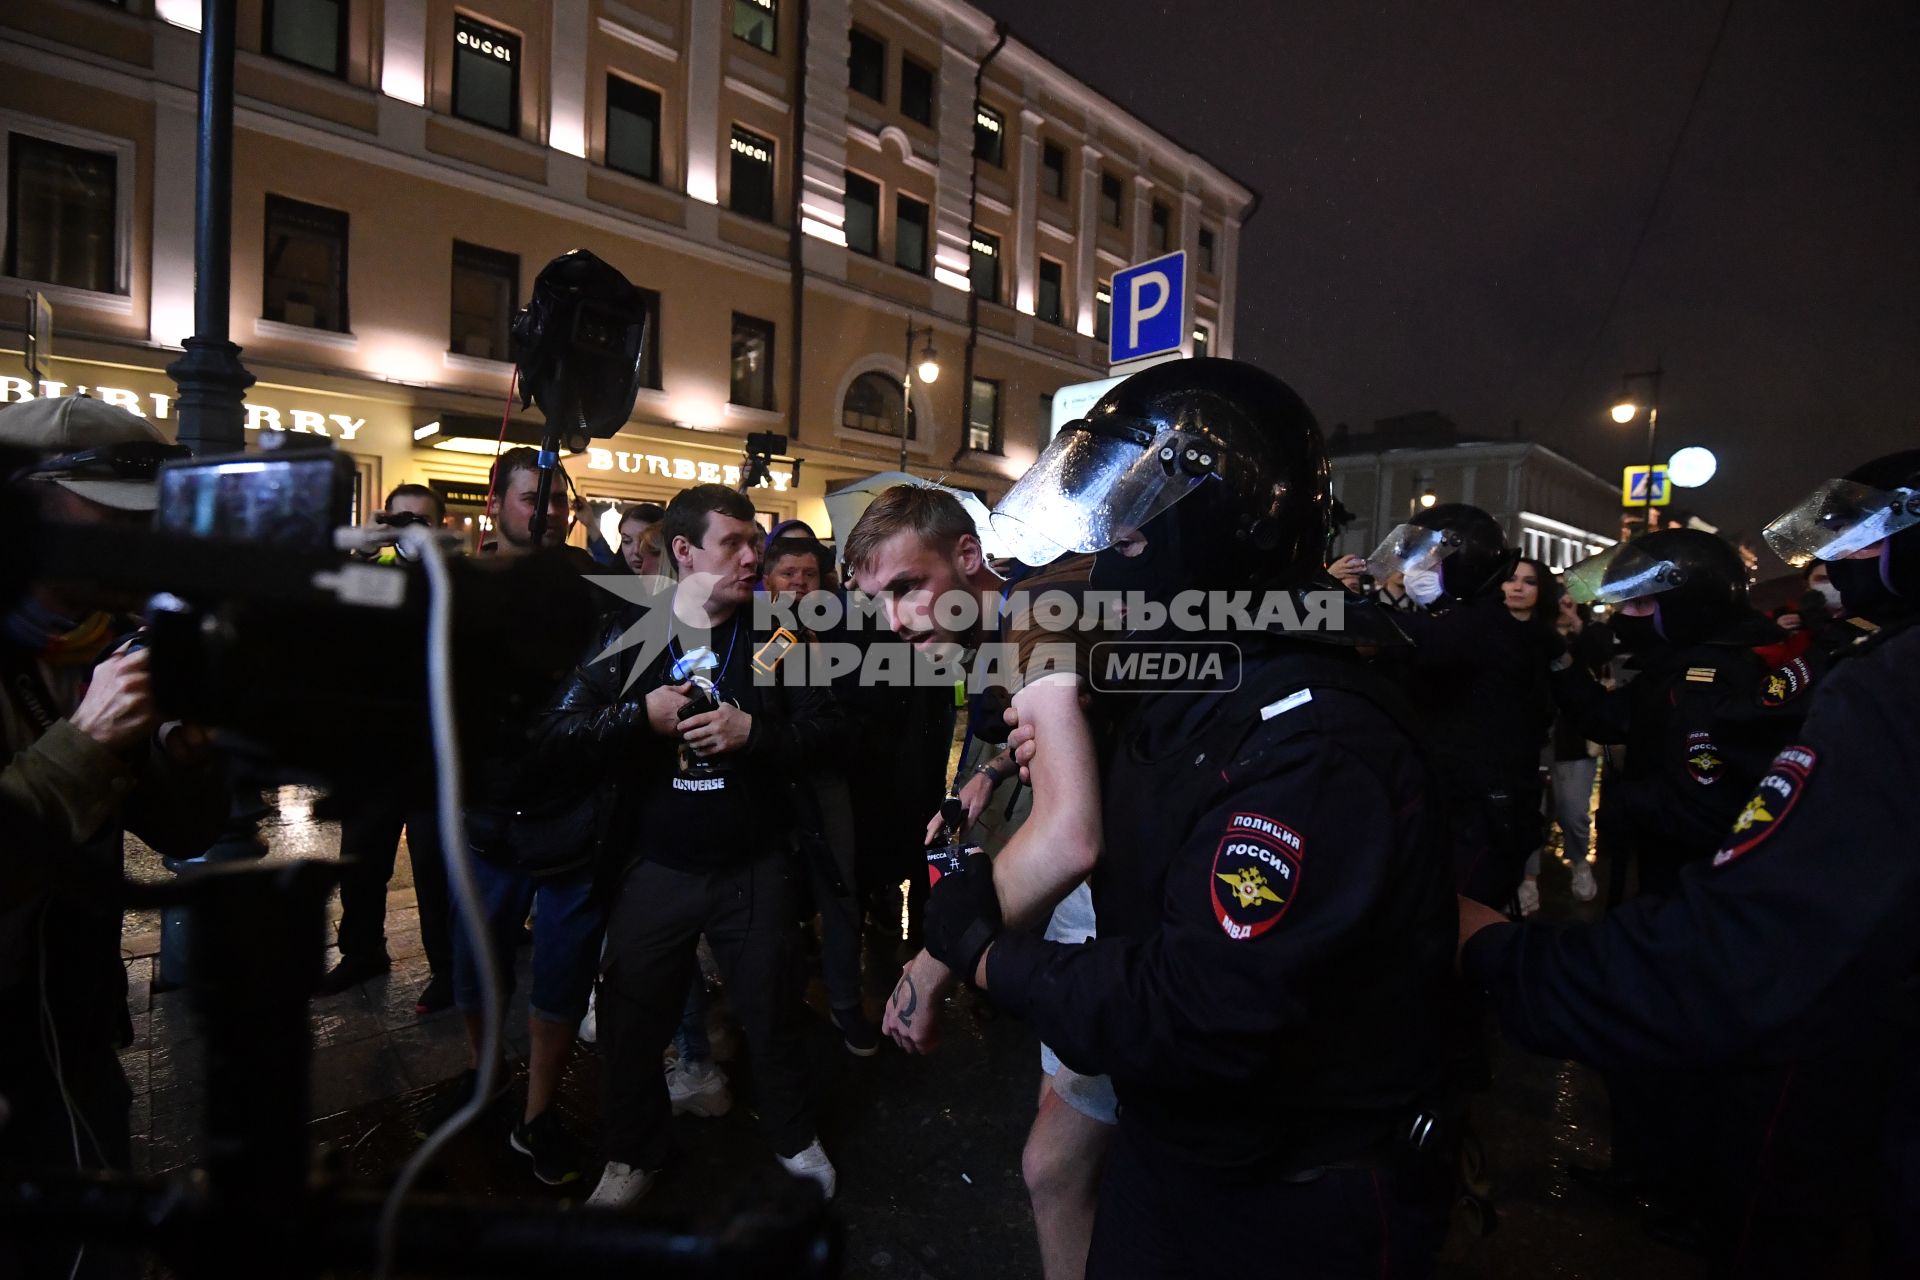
1633 487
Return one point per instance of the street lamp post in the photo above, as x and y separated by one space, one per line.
1624 412
211 380
929 372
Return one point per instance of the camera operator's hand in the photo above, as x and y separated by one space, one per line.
117 710
663 708
717 732
913 1010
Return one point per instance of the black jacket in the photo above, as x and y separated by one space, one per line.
1700 725
598 727
1479 681
1272 980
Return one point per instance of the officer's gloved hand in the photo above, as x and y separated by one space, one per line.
963 916
1423 585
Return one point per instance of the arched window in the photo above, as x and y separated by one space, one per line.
873 404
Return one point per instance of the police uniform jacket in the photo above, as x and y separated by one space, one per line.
1271 980
1700 724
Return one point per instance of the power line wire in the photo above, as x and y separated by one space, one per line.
1653 210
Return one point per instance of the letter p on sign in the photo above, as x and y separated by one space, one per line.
1149 309
1142 311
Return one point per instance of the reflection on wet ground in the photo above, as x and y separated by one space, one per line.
928 1148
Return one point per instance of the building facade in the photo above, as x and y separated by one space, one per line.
808 191
1554 510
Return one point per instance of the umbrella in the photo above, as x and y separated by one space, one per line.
846 504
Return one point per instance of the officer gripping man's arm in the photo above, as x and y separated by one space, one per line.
1273 893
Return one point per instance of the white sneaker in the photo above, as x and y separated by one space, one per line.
813 1163
589 1031
620 1186
1584 888
698 1089
1529 897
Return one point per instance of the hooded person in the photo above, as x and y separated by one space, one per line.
1272 885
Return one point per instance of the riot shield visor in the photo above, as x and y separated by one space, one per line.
1621 573
1840 518
1410 546
1096 481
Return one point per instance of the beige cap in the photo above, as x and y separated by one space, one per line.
53 425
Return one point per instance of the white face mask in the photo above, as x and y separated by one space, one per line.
1827 592
1423 585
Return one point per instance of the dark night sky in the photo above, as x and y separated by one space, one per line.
1452 190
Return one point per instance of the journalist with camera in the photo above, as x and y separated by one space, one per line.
87 759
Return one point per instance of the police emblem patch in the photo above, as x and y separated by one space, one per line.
1785 683
1704 761
1255 873
1773 798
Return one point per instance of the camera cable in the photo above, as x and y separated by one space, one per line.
466 891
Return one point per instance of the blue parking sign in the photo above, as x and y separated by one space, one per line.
1149 309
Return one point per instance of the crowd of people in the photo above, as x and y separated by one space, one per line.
1237 914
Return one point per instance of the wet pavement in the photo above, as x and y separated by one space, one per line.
928 1149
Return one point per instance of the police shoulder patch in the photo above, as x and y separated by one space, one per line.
1785 683
1704 761
1773 799
1255 874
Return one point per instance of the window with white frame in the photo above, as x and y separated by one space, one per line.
64 213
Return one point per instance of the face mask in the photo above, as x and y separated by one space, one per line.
1863 586
1423 585
1828 594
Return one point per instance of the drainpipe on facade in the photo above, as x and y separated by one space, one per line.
796 266
973 216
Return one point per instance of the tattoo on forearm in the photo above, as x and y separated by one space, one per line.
906 1000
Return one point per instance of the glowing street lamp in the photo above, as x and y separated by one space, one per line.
1624 412
1692 467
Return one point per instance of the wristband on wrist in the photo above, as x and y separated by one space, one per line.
986 770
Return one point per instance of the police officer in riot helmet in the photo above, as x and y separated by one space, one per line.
1269 989
1704 714
1701 718
1796 938
1477 677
